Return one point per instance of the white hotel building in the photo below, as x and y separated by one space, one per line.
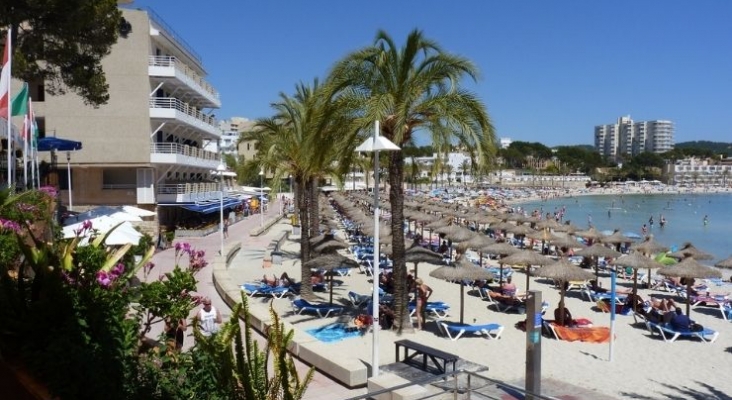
628 138
146 146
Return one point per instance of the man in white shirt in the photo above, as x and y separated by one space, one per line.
209 318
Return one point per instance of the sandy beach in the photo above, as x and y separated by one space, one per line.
643 366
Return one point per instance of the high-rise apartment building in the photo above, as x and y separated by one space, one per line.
146 146
627 138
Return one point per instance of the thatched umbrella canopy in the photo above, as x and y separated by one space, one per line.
596 251
563 271
527 258
567 227
726 263
689 250
521 230
550 223
590 234
566 241
690 268
456 233
636 261
460 271
418 254
477 242
649 246
502 250
330 246
329 262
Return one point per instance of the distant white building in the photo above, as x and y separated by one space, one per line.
629 138
700 171
505 142
459 167
231 130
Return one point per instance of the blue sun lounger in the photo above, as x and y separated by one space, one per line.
669 335
454 330
437 308
301 306
253 289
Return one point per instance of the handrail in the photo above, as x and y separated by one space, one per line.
170 61
182 149
455 375
178 38
175 104
189 188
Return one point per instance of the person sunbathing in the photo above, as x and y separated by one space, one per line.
508 289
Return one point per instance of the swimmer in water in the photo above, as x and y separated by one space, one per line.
706 219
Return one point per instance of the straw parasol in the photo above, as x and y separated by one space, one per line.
563 271
502 250
330 262
636 260
418 254
596 251
690 268
477 242
689 250
527 258
649 246
726 263
460 271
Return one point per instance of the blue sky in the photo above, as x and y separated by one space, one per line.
550 70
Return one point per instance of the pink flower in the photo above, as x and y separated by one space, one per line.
49 190
118 270
104 279
6 224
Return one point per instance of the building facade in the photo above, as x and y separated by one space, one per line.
146 146
626 138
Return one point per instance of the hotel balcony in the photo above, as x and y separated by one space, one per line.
197 192
179 154
182 80
169 109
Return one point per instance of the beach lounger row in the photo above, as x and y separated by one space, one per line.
437 309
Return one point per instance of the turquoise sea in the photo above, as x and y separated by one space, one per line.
684 215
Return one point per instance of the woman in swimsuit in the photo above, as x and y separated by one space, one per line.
423 293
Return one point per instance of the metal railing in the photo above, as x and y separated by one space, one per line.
190 188
118 186
175 104
170 61
185 150
173 34
460 384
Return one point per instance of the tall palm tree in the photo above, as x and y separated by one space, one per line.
415 87
295 141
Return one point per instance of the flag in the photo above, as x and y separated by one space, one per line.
5 78
20 101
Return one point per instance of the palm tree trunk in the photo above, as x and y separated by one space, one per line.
306 286
396 196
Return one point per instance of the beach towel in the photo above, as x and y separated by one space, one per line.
599 334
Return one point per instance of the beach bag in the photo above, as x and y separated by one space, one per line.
696 327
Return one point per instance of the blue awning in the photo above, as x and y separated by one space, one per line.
215 206
54 143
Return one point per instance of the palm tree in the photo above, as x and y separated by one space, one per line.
415 87
464 167
298 141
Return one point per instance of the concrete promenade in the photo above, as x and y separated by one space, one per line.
252 250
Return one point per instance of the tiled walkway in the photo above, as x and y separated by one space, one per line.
253 247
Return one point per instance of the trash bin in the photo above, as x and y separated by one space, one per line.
277 257
296 230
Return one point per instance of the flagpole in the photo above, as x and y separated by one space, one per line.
25 152
9 53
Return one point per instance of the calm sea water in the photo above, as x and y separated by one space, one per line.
684 215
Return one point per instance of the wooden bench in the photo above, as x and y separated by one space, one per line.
439 358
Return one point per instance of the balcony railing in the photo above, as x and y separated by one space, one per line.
190 192
171 103
169 61
185 150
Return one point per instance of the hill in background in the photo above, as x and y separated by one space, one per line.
716 147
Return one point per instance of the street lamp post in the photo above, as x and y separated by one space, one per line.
376 144
261 197
221 168
68 176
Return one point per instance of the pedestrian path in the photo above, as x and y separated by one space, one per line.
252 250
